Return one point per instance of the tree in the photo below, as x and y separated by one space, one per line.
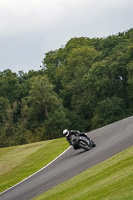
9 87
130 84
7 124
45 108
109 111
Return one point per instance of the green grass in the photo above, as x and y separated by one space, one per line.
18 162
110 180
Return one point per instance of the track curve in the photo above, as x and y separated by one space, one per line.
110 140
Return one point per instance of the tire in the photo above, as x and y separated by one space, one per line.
92 144
84 145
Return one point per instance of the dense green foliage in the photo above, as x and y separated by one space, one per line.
86 84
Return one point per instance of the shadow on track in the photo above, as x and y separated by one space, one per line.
78 153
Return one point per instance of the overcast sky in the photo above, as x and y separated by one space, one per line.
31 28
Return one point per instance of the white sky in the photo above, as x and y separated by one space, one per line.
31 28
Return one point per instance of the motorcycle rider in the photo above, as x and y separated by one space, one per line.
68 135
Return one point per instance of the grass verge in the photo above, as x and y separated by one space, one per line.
18 162
110 180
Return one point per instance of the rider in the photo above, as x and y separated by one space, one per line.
68 134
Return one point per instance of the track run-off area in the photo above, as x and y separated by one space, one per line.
110 140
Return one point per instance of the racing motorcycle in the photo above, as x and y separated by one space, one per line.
82 142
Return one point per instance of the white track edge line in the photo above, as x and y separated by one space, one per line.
36 171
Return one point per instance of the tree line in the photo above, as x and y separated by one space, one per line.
86 84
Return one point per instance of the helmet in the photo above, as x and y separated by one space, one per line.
66 132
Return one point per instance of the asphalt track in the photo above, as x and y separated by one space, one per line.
110 140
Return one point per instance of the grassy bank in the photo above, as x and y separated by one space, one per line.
110 180
18 162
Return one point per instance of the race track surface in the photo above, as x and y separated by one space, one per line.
110 140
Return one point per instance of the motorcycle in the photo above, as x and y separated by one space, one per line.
82 142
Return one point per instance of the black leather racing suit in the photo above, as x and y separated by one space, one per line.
75 132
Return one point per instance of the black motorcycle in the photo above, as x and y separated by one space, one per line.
82 142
